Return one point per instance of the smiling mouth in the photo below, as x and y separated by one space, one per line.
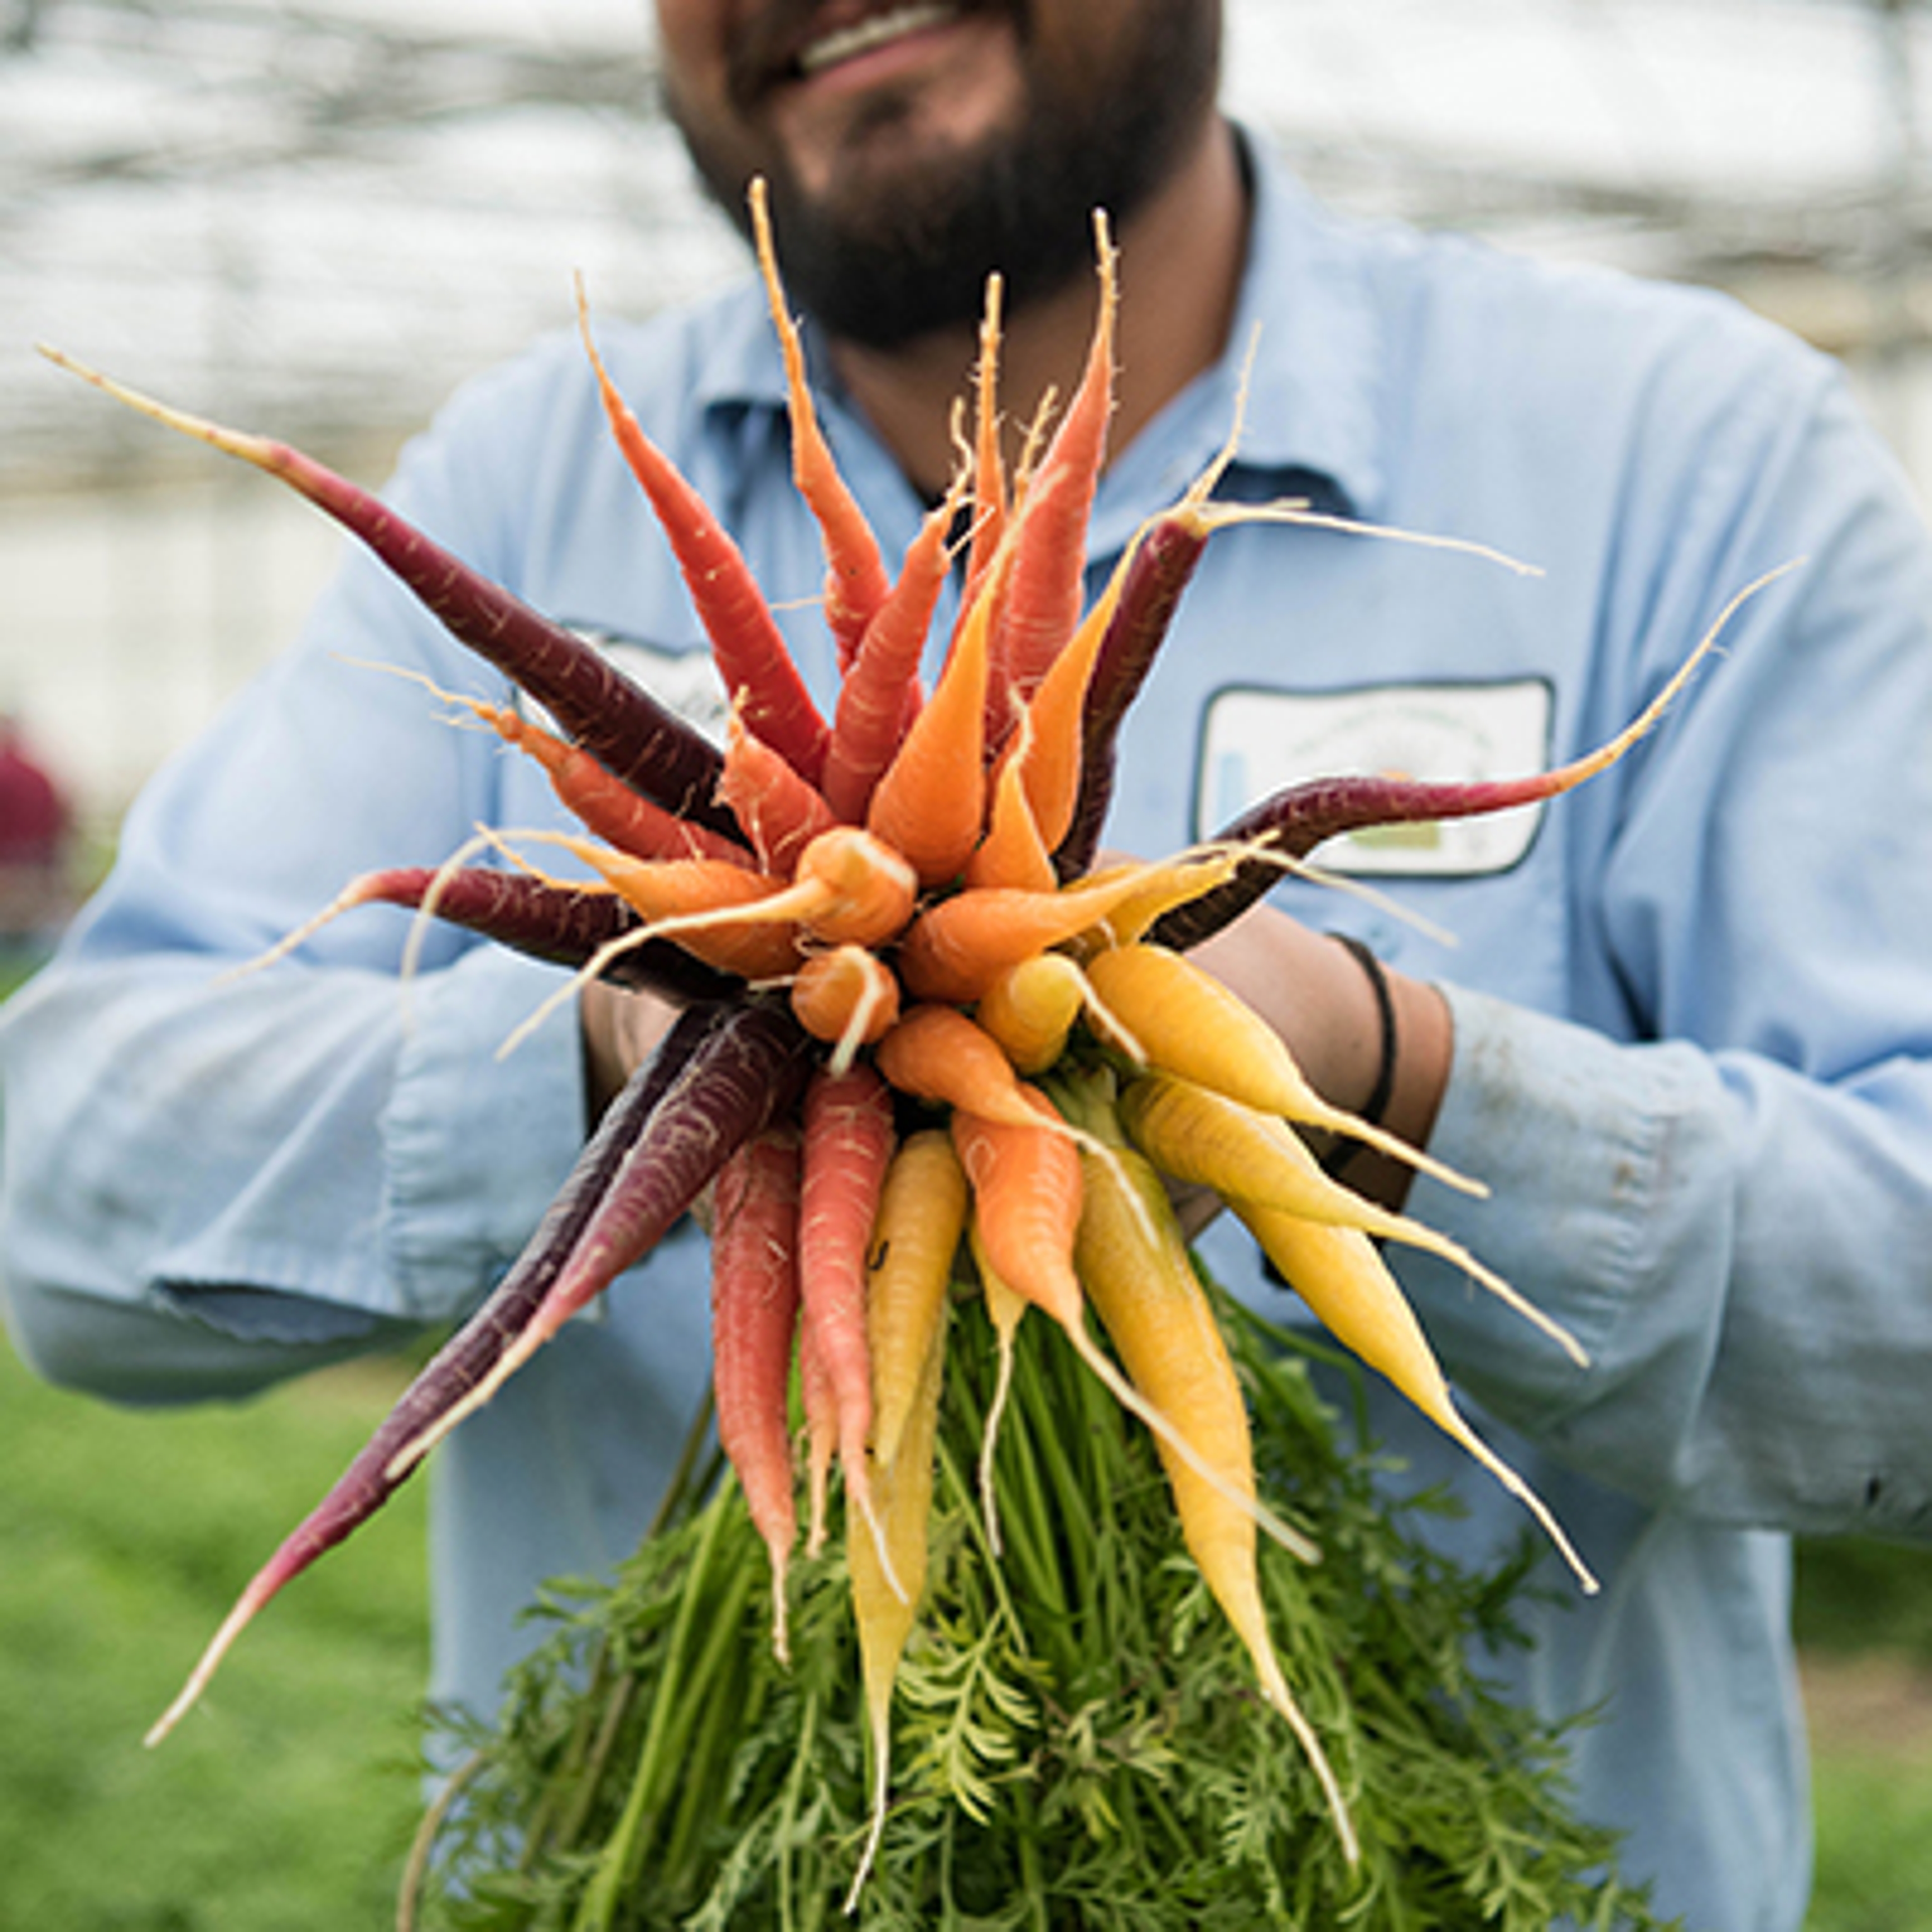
844 44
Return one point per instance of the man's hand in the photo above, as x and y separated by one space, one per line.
621 1030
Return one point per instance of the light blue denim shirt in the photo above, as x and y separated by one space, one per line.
1692 1001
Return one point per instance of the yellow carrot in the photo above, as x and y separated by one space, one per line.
1031 1007
921 1215
1151 1303
1338 1272
1204 1139
1187 1022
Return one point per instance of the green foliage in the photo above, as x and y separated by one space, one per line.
1078 1743
285 1803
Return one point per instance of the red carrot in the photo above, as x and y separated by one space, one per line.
617 722
756 668
755 1300
465 1361
780 812
856 582
848 1143
1043 601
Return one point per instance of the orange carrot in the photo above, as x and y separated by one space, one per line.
990 504
938 1055
1200 1138
850 888
1188 1023
957 947
1043 603
755 1297
848 998
1150 1302
1012 854
780 812
872 713
855 581
672 892
848 1143
602 803
752 659
930 800
1027 1196
1338 1272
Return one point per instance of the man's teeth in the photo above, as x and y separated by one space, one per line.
848 42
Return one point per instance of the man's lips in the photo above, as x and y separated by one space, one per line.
847 42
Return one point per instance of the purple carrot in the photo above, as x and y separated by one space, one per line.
566 924
1162 564
613 718
749 1069
1287 825
466 1358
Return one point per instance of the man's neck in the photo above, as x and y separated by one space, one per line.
1180 267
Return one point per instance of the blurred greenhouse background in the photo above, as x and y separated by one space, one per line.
314 219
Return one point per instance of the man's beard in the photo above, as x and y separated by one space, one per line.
891 254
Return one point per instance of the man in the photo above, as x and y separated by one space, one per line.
1683 1034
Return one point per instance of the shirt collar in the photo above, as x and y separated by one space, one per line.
1306 311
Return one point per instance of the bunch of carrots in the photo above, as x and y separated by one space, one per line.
923 1039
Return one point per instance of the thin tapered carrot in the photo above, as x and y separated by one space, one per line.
691 889
1042 608
780 812
856 583
755 1300
744 1073
1026 1194
1203 1138
1338 1272
1295 820
930 801
603 804
957 945
751 654
921 1215
847 996
888 1576
616 720
467 1358
1188 1023
991 506
848 1145
873 715
820 1405
1150 1302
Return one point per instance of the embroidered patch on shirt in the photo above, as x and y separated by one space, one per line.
1253 742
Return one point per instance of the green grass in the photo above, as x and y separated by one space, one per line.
286 1802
